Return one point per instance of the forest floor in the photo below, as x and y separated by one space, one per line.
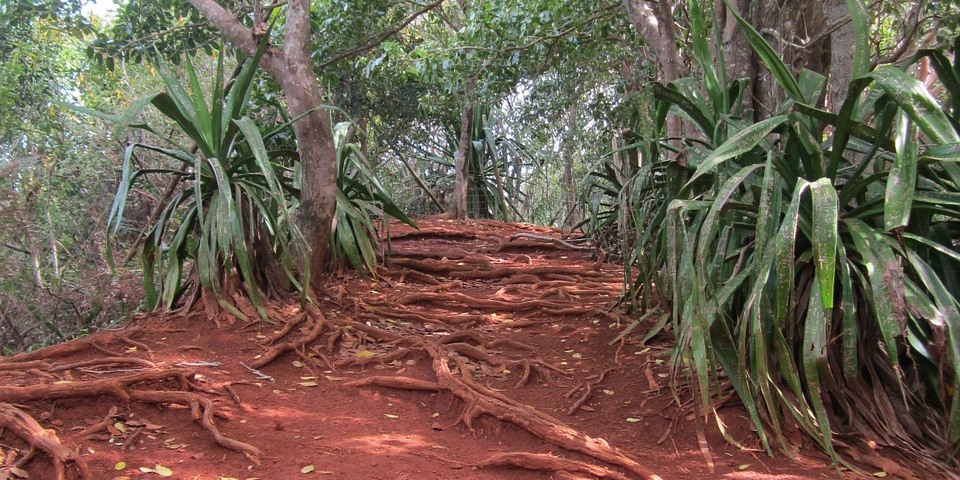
475 354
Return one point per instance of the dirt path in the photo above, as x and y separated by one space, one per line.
471 357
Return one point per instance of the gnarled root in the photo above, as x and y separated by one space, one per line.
24 426
550 463
122 388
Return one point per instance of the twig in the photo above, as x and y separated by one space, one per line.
258 373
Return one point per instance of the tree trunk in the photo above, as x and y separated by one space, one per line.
737 54
788 27
458 204
569 187
655 24
292 69
841 57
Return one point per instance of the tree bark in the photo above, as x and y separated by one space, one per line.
788 27
841 56
654 21
737 54
292 69
458 204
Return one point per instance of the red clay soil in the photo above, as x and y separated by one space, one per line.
471 356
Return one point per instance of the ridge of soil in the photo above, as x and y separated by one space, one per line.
483 350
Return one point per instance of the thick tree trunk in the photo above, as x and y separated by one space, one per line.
789 27
654 21
293 70
458 204
841 55
737 54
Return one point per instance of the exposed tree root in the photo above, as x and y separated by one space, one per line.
471 272
123 389
95 341
587 392
25 427
550 463
467 300
281 348
556 242
479 400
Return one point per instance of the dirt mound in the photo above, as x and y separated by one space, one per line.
483 350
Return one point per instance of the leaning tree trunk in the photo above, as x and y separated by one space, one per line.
292 69
458 205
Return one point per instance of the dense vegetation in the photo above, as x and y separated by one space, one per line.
787 211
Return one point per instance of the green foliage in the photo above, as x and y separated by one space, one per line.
811 256
233 214
360 198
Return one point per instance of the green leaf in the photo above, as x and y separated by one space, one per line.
902 181
768 56
825 214
744 141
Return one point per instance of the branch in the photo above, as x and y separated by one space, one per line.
297 34
380 38
910 30
240 36
17 249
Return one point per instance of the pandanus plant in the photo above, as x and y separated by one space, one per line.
811 257
227 225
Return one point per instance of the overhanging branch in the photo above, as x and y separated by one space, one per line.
380 38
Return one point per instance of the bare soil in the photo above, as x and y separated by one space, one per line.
475 354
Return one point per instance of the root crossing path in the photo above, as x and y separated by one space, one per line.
481 350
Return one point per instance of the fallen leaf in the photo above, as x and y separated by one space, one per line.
633 420
365 354
744 466
608 392
308 469
20 473
297 363
879 474
163 471
120 466
310 383
390 416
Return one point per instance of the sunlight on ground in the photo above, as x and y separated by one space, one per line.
746 474
388 443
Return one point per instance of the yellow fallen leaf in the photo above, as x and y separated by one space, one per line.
297 363
163 471
365 354
391 416
633 420
311 383
120 466
308 469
